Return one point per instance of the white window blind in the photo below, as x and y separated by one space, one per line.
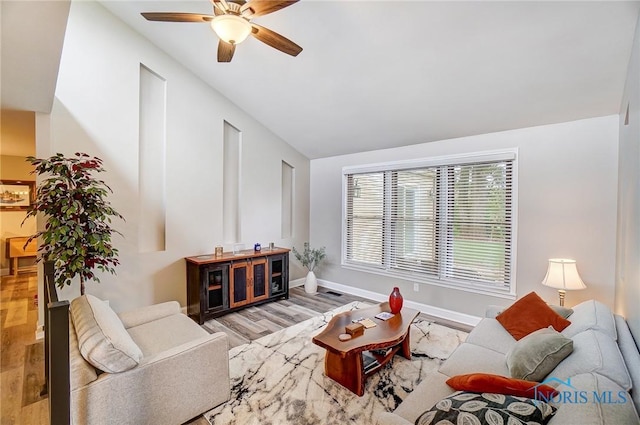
450 223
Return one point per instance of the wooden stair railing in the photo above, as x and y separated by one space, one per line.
56 346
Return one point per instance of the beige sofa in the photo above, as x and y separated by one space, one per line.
153 365
605 359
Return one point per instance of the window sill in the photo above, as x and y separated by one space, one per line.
478 288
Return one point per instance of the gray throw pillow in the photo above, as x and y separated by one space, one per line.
537 354
562 311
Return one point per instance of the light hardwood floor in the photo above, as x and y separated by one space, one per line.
21 355
22 361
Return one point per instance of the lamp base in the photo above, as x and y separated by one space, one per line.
561 294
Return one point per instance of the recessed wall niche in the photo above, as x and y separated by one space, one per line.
151 162
232 173
288 176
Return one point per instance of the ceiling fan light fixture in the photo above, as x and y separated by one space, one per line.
231 28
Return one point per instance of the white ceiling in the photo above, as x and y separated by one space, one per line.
32 38
377 74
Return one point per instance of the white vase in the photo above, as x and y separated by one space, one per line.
311 283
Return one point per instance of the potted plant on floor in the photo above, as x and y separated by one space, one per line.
77 233
310 258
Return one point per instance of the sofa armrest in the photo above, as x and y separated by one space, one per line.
148 313
173 386
387 418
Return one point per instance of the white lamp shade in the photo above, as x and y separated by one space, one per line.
563 274
231 28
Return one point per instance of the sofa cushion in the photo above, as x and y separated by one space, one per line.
594 315
432 389
470 408
596 352
471 358
529 314
489 383
600 401
493 310
160 335
537 354
148 313
489 333
102 339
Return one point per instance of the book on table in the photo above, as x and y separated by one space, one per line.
385 315
384 352
369 362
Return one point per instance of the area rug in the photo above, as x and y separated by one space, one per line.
279 379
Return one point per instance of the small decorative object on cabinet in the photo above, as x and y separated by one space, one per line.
395 301
218 284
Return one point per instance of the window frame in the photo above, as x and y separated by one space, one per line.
440 161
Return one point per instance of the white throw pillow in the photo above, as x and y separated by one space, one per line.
102 338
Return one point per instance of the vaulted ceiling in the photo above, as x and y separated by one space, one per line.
377 74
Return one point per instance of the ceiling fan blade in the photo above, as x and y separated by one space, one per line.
223 4
256 8
218 9
275 40
176 17
225 51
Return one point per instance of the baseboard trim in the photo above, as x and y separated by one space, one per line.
442 313
296 282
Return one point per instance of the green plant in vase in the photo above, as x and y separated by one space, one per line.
77 233
310 258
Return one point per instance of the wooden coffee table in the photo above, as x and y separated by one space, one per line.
343 360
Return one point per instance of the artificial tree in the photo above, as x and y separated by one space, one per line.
77 233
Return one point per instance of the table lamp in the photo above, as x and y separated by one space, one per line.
562 274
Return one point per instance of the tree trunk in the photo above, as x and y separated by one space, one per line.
81 285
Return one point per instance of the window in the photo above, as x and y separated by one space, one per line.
448 221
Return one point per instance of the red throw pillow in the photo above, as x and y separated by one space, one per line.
496 384
529 314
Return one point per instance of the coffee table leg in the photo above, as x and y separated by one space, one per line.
406 346
347 371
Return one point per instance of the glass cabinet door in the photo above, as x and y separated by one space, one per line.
277 275
238 284
259 279
216 285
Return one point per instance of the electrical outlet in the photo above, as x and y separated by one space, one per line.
416 287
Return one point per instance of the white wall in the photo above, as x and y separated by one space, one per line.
96 111
567 208
628 235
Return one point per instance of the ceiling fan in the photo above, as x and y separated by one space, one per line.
231 21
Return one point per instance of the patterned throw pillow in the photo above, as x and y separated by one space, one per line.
487 408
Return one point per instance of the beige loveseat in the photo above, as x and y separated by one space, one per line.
153 365
603 370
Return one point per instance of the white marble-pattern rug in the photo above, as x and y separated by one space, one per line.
279 379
